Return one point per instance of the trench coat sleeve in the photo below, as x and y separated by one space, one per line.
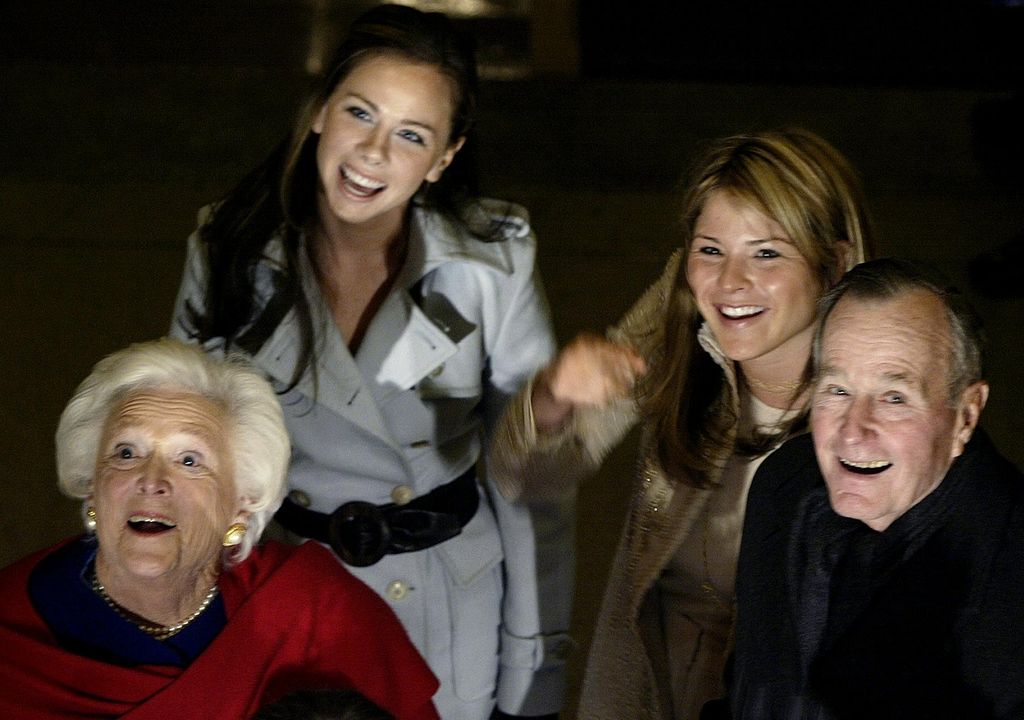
194 286
192 291
526 465
537 538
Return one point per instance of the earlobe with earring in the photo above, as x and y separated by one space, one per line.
90 519
234 535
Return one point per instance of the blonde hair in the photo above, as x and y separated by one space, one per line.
259 440
801 182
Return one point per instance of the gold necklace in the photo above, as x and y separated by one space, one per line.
788 386
160 632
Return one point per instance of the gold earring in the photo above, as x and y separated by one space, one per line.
90 519
234 535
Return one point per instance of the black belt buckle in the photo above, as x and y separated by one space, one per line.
359 533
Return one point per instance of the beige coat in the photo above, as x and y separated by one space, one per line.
624 674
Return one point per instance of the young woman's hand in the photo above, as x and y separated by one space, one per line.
590 371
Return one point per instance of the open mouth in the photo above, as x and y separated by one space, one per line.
865 467
148 525
360 185
740 312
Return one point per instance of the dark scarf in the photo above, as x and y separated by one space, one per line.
836 564
61 591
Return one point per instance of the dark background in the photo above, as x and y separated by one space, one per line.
121 119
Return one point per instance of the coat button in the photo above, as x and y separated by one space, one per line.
401 494
396 590
437 371
299 498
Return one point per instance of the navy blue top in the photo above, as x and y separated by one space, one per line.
60 588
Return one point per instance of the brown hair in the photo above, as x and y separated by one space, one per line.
278 198
801 182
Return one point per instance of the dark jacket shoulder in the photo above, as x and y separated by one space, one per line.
782 480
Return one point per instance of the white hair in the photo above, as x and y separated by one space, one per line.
258 438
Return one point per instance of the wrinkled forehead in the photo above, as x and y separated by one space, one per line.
169 409
909 328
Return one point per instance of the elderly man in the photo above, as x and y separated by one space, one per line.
882 567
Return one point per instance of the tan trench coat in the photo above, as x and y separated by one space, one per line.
625 670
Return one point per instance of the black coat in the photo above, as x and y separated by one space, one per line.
923 620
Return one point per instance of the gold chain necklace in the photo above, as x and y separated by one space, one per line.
160 632
788 386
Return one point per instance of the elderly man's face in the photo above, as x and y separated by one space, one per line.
164 490
884 431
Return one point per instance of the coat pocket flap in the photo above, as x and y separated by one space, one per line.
475 551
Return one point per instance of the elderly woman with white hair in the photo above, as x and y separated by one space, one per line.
166 608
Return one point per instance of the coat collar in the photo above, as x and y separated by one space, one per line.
337 383
435 239
710 345
402 345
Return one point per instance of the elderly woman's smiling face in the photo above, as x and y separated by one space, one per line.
164 490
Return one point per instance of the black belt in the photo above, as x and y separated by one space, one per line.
361 533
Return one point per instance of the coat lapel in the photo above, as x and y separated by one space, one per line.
402 346
667 509
667 513
339 386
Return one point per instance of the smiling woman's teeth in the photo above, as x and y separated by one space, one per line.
360 184
145 523
744 311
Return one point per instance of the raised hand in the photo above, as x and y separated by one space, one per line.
590 371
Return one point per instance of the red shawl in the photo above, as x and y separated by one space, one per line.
296 619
